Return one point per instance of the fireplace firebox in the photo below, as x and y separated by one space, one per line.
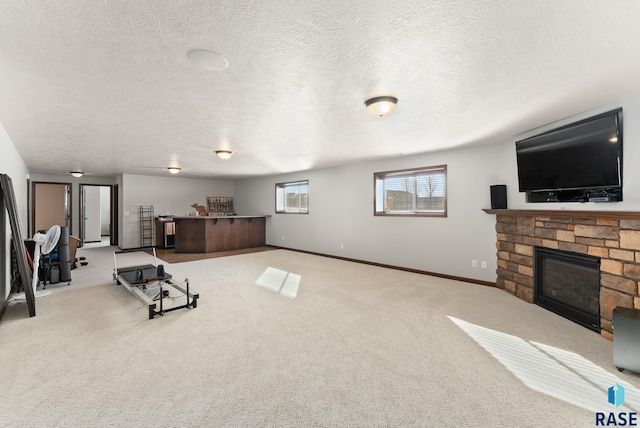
568 284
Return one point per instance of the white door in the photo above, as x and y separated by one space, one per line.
92 218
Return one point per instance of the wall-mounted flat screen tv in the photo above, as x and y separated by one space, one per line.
585 155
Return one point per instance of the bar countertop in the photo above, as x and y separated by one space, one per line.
205 217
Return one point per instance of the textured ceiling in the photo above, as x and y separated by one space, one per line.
106 86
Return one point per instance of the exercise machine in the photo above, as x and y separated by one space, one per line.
140 280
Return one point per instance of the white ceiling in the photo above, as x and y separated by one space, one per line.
106 86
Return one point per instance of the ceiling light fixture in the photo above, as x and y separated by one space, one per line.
207 59
77 174
381 106
224 154
174 169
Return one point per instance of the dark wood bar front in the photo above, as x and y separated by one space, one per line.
211 234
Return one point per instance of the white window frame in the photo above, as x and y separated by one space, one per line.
382 180
294 188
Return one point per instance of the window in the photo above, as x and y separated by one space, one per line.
293 197
411 192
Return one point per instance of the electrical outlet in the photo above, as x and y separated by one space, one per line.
283 237
483 265
474 263
342 246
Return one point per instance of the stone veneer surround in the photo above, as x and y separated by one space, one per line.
614 237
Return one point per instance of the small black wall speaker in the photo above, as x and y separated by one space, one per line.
498 197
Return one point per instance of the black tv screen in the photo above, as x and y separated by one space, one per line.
583 155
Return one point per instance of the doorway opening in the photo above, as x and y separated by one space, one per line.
98 215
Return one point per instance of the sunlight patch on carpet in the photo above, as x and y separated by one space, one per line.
281 281
290 287
558 373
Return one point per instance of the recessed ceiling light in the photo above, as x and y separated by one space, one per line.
207 59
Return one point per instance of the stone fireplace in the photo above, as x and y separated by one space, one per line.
613 237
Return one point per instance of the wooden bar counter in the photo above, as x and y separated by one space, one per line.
211 234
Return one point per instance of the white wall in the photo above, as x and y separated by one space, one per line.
341 205
168 195
341 212
11 164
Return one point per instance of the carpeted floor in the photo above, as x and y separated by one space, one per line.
360 346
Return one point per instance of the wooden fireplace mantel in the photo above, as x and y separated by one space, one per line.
618 215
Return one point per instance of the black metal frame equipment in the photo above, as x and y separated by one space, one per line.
138 278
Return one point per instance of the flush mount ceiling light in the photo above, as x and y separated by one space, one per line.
207 59
224 154
77 174
381 106
174 169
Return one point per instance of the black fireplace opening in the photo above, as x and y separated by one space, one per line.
568 284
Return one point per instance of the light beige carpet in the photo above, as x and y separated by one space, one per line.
170 255
360 346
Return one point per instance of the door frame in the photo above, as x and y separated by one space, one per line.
113 211
68 207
